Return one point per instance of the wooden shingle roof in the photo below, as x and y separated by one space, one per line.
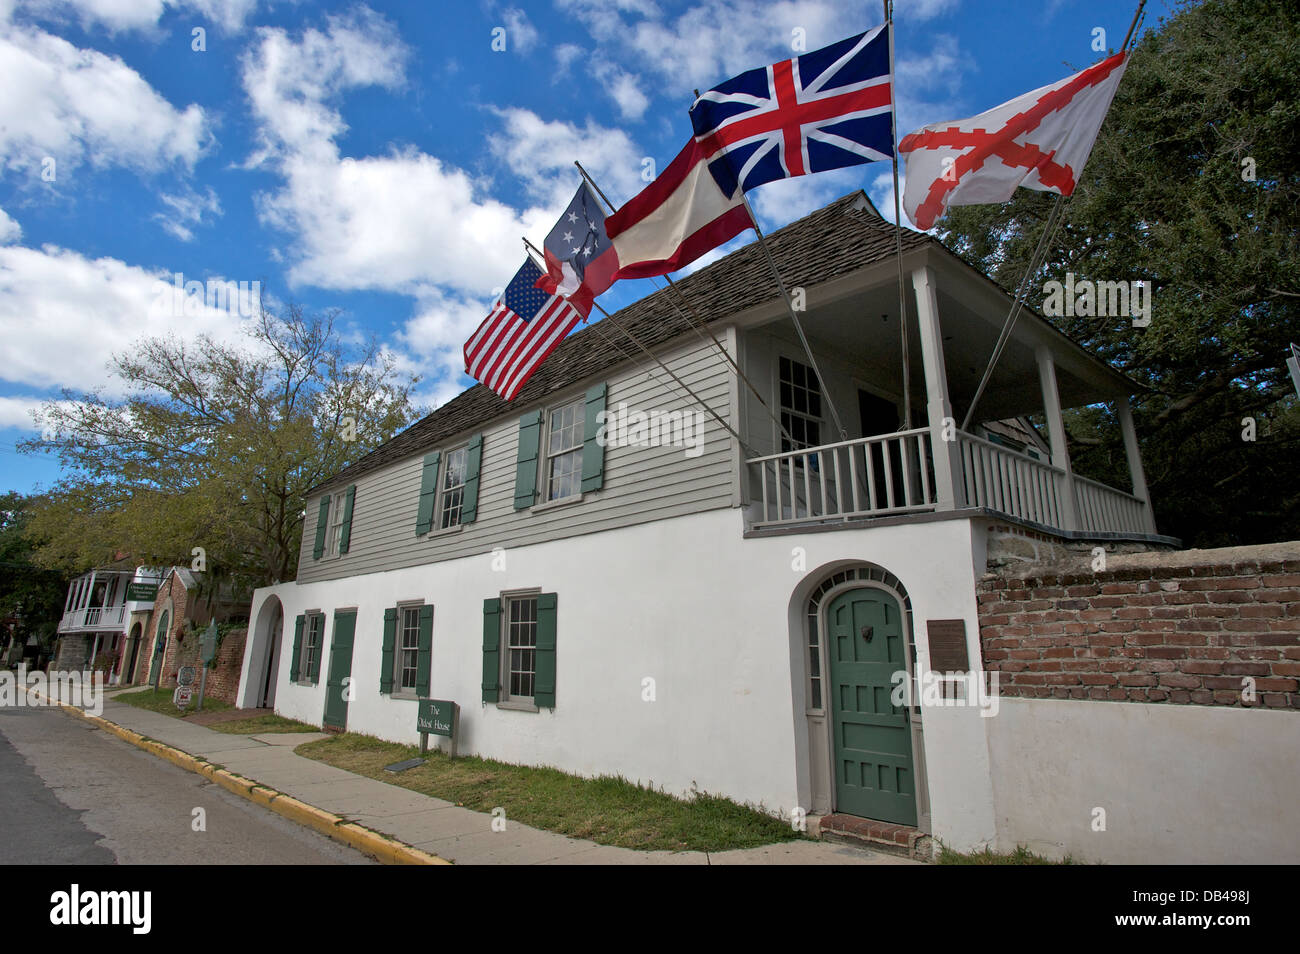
846 235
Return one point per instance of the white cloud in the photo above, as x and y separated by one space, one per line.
436 334
541 153
407 221
924 9
715 39
293 84
62 315
624 89
19 412
565 54
142 15
187 209
10 231
75 105
521 35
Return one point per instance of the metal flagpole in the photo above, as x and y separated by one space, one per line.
1049 229
898 223
794 317
696 322
1054 219
685 387
789 304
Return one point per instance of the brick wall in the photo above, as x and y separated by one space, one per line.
223 677
183 649
174 590
1183 628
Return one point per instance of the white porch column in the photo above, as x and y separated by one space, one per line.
1125 414
948 487
1056 434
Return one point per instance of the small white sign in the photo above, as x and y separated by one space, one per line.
182 697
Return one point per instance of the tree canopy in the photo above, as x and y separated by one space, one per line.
214 447
1193 186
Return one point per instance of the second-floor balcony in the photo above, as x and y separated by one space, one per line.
849 414
99 601
894 474
93 618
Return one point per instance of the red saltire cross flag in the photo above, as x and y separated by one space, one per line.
1040 140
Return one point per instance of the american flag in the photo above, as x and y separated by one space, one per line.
522 329
826 109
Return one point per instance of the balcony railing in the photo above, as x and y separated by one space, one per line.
868 477
1016 484
93 618
1105 508
893 474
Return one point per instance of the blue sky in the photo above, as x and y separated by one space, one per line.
384 159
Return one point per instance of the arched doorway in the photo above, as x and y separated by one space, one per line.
132 654
160 643
270 634
865 755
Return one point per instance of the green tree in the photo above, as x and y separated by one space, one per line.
1194 186
31 596
215 446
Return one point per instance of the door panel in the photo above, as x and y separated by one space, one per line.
872 742
336 703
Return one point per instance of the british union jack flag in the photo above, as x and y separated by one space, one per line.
823 110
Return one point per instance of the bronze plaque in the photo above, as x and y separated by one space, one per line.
948 645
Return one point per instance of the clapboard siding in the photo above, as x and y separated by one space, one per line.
641 484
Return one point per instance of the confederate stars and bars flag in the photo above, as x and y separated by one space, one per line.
822 110
580 260
1040 140
523 328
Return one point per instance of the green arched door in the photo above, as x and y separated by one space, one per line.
872 737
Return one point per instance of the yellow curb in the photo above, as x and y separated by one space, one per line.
262 795
386 850
304 814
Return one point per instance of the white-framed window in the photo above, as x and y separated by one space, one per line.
313 632
334 537
519 661
562 467
801 404
451 492
408 647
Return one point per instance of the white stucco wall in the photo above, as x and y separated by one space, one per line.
1181 784
688 602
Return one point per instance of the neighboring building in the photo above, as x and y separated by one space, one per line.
725 616
169 633
98 625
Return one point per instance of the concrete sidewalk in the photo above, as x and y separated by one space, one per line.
431 824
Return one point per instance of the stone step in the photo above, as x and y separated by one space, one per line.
876 835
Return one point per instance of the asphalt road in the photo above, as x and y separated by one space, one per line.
74 794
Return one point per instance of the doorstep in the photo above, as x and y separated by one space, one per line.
877 835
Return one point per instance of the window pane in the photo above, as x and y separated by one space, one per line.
521 638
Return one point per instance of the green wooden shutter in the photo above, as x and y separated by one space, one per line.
473 460
390 642
530 438
491 650
345 537
428 494
544 680
425 655
593 452
297 648
320 650
322 524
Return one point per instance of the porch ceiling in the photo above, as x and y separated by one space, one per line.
863 326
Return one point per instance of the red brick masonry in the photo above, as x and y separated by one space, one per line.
1181 634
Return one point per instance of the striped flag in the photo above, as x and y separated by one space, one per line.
522 329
